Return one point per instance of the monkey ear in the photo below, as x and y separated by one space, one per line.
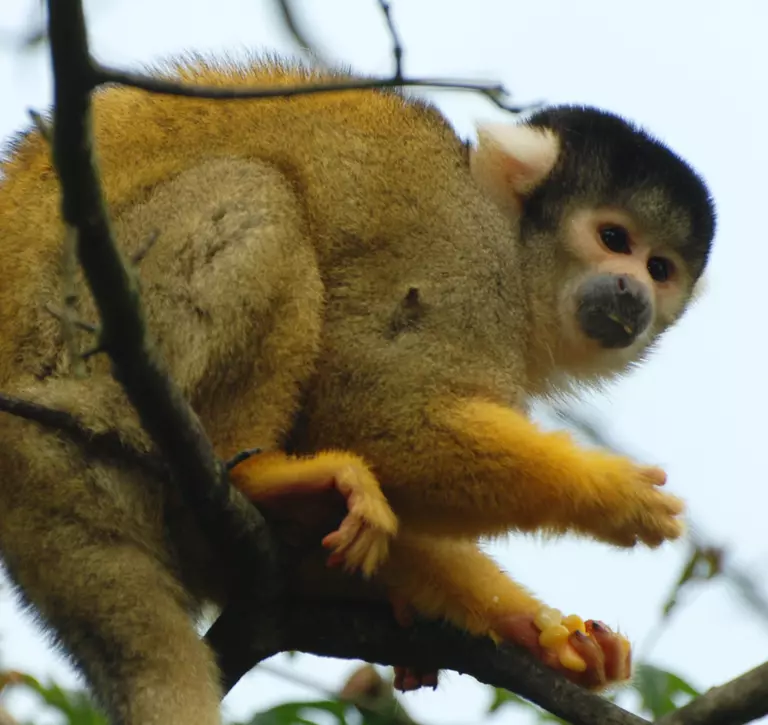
700 289
510 161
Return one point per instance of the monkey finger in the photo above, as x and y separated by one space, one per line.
341 538
588 650
615 648
654 475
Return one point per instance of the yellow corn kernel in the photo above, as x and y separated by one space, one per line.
574 623
571 660
548 617
554 637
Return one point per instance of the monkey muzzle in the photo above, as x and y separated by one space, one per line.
613 309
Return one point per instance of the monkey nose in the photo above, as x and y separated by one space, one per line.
614 309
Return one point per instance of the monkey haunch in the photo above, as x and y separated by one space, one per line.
339 279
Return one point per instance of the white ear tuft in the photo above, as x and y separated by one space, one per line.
700 289
512 160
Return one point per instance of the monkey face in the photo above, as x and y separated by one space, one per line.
622 285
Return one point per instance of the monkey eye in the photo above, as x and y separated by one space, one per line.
660 269
615 238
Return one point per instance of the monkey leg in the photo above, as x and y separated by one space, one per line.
453 580
122 618
362 540
86 544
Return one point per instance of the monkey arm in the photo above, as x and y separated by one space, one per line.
481 468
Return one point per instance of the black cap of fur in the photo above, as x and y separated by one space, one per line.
605 159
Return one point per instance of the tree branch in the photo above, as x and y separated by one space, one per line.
370 632
737 702
231 521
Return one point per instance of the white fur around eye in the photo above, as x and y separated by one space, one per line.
512 160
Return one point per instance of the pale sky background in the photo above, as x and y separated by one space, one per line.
694 74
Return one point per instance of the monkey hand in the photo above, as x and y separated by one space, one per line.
361 542
589 654
628 506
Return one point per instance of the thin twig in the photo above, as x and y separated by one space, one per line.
106 443
495 92
293 26
77 322
397 46
41 124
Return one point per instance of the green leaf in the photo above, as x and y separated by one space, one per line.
661 692
504 698
75 705
299 713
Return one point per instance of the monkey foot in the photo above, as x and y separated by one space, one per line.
408 679
361 543
587 653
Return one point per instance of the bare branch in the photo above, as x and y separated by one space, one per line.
242 638
495 92
737 702
232 522
397 46
109 443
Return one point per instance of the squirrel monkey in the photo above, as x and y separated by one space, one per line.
342 281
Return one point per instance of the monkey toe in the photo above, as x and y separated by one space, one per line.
408 679
589 654
617 652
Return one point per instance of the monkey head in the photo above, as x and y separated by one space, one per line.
615 230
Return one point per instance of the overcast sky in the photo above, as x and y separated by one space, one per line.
694 74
